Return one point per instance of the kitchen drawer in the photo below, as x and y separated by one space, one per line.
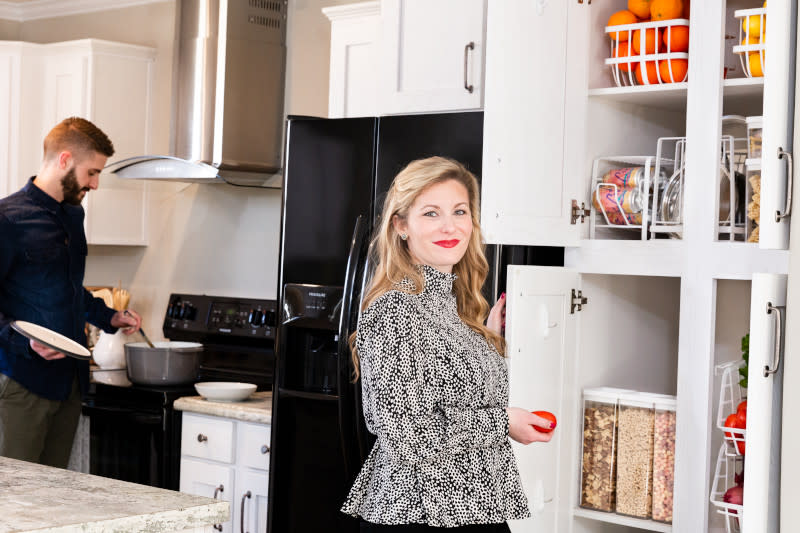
207 438
253 445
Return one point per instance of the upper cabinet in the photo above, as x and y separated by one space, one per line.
406 56
432 55
105 82
567 109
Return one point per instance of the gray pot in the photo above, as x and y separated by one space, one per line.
169 363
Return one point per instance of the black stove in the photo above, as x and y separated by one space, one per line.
135 432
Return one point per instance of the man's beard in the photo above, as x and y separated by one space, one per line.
72 190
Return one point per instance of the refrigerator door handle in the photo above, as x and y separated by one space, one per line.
354 259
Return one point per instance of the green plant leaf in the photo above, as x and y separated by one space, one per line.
743 382
743 371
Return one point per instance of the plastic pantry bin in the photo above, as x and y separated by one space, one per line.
598 462
754 128
663 458
635 426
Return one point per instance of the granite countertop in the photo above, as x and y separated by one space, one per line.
257 408
45 499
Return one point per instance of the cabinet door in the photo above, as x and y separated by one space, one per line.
210 480
426 51
250 514
533 118
9 120
778 114
542 342
764 398
353 90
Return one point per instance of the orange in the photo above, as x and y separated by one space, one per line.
685 14
622 50
752 26
676 38
666 9
652 73
754 61
651 36
619 18
750 40
679 69
640 8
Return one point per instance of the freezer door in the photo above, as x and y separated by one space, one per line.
542 345
764 397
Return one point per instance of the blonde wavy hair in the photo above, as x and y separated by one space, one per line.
393 259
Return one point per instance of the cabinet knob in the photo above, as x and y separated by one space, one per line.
201 438
265 449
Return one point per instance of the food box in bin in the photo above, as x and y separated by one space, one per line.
628 453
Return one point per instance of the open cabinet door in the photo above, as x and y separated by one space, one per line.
533 117
542 340
764 396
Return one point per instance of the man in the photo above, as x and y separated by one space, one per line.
42 262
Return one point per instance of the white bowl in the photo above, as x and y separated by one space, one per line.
222 391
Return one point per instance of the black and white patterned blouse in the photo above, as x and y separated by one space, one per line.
435 394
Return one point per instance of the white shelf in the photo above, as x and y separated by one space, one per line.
739 260
655 257
664 96
629 521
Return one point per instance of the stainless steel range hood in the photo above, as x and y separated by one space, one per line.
228 89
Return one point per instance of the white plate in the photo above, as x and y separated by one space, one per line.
222 391
51 339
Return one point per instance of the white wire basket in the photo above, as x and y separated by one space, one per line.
725 474
607 210
751 47
625 61
667 197
733 189
731 394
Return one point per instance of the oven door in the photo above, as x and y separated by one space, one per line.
134 444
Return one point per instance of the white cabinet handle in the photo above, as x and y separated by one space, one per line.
778 338
467 48
789 180
247 495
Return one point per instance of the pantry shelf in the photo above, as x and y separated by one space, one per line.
743 95
659 257
613 518
671 96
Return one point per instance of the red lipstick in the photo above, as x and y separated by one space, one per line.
447 244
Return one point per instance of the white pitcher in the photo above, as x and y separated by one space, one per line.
109 352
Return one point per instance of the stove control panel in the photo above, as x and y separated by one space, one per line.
218 315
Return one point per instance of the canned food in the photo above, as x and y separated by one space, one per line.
621 206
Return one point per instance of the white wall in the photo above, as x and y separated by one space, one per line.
211 239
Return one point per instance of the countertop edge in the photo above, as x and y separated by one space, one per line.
257 410
166 521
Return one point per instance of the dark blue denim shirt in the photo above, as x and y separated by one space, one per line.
42 262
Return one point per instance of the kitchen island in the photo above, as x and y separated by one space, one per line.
45 499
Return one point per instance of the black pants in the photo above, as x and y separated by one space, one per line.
367 527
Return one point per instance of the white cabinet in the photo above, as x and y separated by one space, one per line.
355 31
432 58
406 56
219 451
105 82
654 304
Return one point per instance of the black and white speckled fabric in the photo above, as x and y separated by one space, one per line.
435 394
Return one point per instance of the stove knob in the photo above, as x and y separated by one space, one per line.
269 319
190 311
258 319
180 311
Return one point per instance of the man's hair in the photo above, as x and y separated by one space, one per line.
79 136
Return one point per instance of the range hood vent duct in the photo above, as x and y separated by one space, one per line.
228 89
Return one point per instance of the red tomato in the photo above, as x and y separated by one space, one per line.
731 422
741 417
547 415
742 407
740 446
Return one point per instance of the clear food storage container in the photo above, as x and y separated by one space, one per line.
635 425
663 458
754 128
598 475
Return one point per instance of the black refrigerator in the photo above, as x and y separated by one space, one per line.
336 176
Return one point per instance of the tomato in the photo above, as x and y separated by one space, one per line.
731 422
740 446
741 417
547 415
742 407
735 421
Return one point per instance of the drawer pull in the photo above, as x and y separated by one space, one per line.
469 46
265 449
201 438
778 215
246 496
217 490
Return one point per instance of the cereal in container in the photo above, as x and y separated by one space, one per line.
663 458
635 425
754 135
598 474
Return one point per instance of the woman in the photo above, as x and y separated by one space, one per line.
435 385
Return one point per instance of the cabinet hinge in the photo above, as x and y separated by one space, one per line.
578 300
579 212
588 2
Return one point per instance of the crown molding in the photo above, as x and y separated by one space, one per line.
45 9
347 11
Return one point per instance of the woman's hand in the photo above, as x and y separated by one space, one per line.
520 426
497 316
